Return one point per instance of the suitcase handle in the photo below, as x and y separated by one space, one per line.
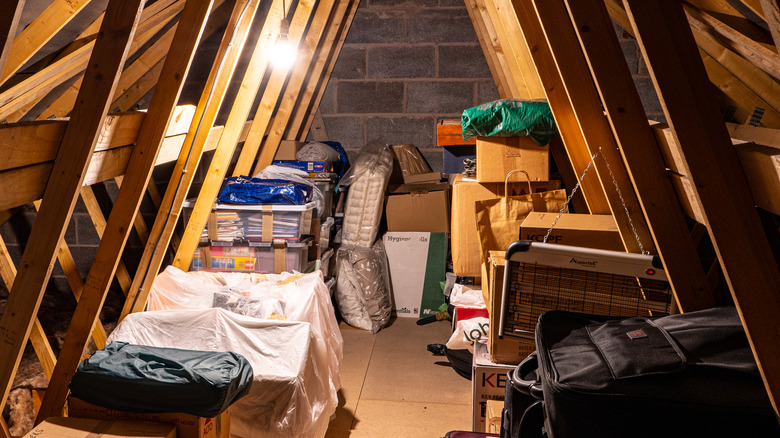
527 367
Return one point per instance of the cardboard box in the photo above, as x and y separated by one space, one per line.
450 132
506 350
71 427
417 264
306 166
493 417
465 240
488 382
187 426
419 207
597 231
497 156
288 150
410 167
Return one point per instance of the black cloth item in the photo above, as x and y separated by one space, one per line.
139 378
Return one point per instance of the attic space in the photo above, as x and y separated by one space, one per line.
441 218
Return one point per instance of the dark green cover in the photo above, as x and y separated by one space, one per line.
139 378
510 118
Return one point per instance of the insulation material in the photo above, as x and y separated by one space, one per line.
294 297
363 287
290 395
367 180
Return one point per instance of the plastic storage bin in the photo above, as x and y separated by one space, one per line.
327 187
239 258
325 229
255 223
281 256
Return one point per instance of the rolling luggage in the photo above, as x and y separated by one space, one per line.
683 375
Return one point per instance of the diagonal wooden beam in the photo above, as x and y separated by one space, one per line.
242 105
668 47
639 149
516 88
39 32
763 136
217 83
561 107
764 57
320 73
37 336
9 22
490 55
80 137
771 10
289 98
128 200
587 108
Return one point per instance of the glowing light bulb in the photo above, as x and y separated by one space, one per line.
284 53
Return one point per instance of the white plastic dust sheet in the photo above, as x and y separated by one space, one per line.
290 394
292 297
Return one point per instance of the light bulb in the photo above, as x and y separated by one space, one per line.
284 52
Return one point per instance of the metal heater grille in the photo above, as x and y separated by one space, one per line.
534 288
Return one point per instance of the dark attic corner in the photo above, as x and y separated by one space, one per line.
440 218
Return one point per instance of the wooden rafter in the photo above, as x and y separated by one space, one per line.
242 105
139 171
9 22
216 86
771 9
499 78
639 149
561 106
79 140
668 47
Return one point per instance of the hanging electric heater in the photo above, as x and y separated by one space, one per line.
540 276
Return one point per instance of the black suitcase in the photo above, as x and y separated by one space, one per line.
688 375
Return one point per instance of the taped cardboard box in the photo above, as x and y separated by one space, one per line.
488 382
597 231
72 427
465 240
419 207
187 426
497 156
506 351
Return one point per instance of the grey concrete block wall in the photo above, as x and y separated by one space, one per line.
407 64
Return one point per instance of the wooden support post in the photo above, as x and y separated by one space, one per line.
288 99
745 256
587 108
562 110
139 170
320 75
242 105
515 87
216 86
79 141
639 149
39 32
9 21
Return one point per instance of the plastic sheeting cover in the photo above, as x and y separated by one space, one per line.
363 287
290 396
296 297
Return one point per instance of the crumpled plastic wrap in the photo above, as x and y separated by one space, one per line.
362 288
295 297
367 180
467 296
290 395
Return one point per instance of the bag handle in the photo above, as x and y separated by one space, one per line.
506 181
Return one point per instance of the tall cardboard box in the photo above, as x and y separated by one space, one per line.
465 239
488 382
507 351
417 264
419 207
187 425
497 156
597 231
72 427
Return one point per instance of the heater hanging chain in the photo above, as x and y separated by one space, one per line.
617 189
573 191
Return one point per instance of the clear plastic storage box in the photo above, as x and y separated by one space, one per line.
255 223
280 256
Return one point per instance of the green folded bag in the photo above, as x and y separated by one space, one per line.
510 118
